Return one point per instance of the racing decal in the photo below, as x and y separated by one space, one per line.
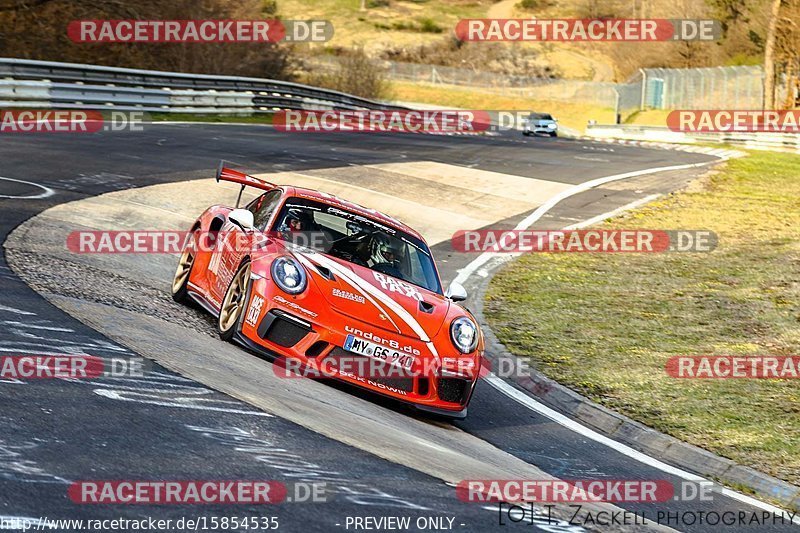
365 288
333 266
339 293
391 284
225 256
255 310
387 388
335 203
206 295
458 365
216 254
375 384
360 218
281 300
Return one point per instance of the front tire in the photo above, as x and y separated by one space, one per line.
232 309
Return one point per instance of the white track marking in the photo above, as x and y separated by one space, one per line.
182 403
34 326
557 417
600 218
16 311
570 424
47 191
539 212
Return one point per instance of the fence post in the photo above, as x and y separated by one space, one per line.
644 89
667 102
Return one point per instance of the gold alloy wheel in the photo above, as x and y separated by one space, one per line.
234 299
184 268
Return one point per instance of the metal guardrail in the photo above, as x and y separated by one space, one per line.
45 84
777 142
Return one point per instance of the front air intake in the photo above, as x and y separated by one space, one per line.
453 390
282 329
316 349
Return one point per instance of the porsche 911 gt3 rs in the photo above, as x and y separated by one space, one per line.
341 289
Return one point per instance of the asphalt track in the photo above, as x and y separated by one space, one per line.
56 432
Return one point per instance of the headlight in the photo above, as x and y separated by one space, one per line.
464 334
289 275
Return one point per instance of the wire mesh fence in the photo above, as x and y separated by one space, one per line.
738 87
702 88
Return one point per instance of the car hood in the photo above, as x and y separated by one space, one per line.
378 299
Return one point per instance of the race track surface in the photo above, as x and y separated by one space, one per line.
209 410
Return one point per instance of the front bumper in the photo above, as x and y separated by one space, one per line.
283 331
541 129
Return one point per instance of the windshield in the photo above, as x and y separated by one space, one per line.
357 239
540 116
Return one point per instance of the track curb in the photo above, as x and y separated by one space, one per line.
719 152
626 430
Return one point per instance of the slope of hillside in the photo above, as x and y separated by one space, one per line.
397 29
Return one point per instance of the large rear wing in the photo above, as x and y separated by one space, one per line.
245 180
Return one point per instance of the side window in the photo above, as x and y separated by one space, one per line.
263 207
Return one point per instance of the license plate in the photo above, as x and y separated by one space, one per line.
376 351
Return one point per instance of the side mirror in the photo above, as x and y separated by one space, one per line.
242 218
456 292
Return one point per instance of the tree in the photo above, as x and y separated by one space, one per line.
769 56
729 12
357 74
36 29
787 50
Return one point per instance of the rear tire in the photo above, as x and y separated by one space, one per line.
180 281
233 304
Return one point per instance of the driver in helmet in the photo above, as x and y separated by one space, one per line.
385 256
294 223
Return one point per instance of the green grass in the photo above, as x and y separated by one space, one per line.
605 324
571 115
387 23
650 117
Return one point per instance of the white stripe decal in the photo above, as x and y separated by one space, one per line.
303 259
394 306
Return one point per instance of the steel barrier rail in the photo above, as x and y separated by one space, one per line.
43 84
779 142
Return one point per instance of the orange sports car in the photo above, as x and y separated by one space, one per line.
333 289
